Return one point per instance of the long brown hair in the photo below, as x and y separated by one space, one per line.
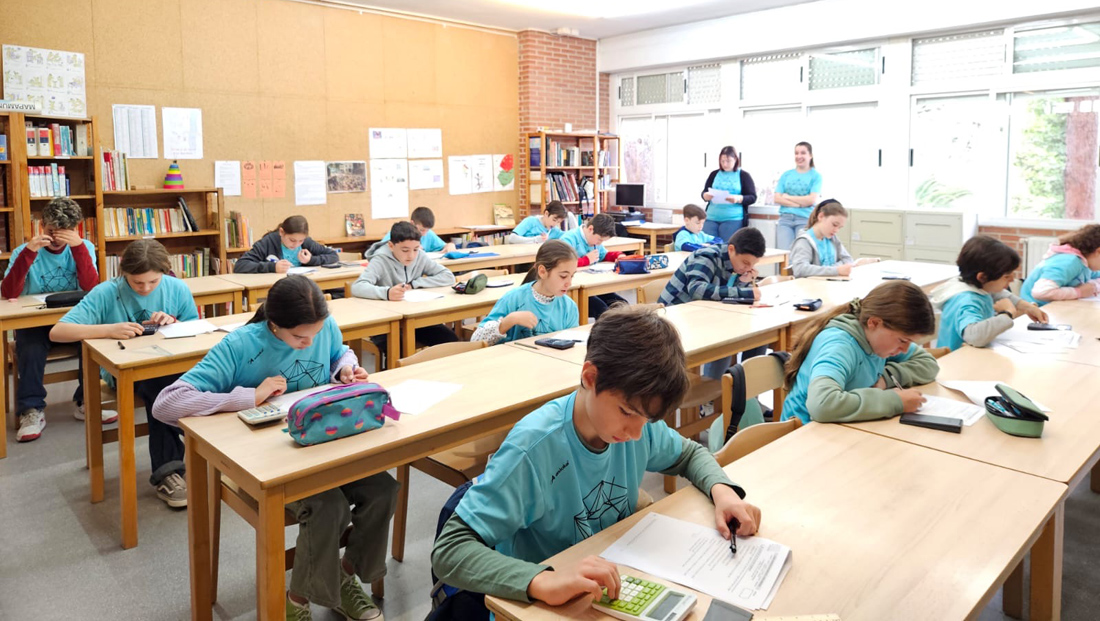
550 255
826 208
1086 239
731 152
291 302
900 304
145 255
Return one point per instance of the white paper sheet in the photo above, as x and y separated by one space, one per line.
182 329
227 176
424 142
481 175
229 327
1025 341
135 130
435 256
600 268
418 396
968 413
459 174
977 391
718 197
425 174
499 282
182 133
699 558
285 400
389 191
301 270
421 295
580 336
310 182
388 142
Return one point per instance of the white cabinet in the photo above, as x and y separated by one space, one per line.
928 236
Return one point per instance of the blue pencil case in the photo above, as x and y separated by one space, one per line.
454 254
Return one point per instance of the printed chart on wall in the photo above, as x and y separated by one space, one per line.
426 143
309 183
135 130
425 174
387 143
389 190
227 176
52 79
182 133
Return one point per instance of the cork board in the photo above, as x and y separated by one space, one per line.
279 80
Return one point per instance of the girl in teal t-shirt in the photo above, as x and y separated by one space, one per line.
796 193
541 305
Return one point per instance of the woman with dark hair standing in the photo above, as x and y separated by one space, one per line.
796 194
724 218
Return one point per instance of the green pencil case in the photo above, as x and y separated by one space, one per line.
1015 414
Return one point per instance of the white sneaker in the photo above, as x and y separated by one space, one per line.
107 416
31 424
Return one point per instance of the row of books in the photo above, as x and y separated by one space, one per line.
132 221
116 171
57 140
85 229
45 181
238 232
562 187
190 265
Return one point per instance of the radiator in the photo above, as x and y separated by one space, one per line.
1034 250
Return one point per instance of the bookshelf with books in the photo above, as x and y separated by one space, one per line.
10 236
191 223
576 168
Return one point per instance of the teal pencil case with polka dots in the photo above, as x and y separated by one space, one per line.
339 412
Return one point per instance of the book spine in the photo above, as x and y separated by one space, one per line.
32 140
44 147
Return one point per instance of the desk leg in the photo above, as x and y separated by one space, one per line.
127 462
270 556
1046 568
582 306
93 424
1012 595
238 306
1095 479
198 531
4 393
393 345
408 340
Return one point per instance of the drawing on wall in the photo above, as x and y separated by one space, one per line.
347 177
482 174
505 175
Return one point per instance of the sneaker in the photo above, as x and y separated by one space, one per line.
107 416
355 604
31 424
173 491
297 612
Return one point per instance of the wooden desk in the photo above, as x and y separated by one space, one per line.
878 529
256 286
500 385
590 284
137 362
214 291
653 230
509 255
1085 319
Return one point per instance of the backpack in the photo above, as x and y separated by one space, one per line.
450 603
338 412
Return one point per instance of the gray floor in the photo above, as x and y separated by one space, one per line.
60 556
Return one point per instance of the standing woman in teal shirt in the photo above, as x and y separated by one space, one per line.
796 193
724 218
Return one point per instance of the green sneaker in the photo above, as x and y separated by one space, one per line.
355 604
297 612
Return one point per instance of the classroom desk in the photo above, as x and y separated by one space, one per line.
590 284
775 256
137 362
1085 319
214 291
509 255
878 529
256 286
652 230
500 385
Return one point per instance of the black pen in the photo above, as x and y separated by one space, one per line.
120 345
733 525
527 346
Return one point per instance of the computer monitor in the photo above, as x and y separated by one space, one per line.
630 194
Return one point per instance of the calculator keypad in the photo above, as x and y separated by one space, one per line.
635 595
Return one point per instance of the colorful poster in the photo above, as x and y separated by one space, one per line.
504 177
267 185
425 174
425 142
278 179
347 177
389 189
50 78
248 179
481 177
387 143
460 174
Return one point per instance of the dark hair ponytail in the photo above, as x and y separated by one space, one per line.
293 225
291 302
809 148
550 255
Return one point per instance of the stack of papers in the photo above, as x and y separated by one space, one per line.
418 396
1025 341
968 413
699 558
421 295
182 329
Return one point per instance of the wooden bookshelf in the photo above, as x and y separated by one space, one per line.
564 152
10 237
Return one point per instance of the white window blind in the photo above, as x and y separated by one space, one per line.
777 77
1053 49
704 84
626 92
843 69
958 57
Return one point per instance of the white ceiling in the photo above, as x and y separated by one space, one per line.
503 15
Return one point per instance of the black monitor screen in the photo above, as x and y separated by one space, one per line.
630 194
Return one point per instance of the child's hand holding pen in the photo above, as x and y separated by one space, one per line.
270 387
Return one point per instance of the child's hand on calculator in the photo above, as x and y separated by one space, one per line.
591 575
270 387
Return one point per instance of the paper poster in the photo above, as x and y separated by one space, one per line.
50 78
227 176
425 142
267 186
425 174
460 173
387 143
504 177
135 130
389 189
309 183
347 177
248 179
481 176
278 179
182 133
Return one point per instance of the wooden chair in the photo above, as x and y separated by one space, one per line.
349 256
59 352
364 346
669 247
749 439
454 466
650 292
701 391
762 374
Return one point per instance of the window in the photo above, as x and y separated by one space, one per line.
1062 47
670 154
767 143
772 78
638 148
843 69
704 84
626 92
846 143
958 59
661 88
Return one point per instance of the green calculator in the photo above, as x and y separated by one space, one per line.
642 600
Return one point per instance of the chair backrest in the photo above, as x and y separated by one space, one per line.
668 247
488 274
771 280
650 292
748 440
761 374
347 290
349 256
440 351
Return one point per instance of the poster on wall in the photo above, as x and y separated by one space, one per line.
347 177
504 177
309 182
227 176
460 174
182 133
135 130
53 79
387 143
389 190
425 174
481 175
425 142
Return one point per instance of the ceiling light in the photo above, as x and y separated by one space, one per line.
601 9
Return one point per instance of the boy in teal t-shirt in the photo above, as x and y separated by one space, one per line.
537 229
691 237
424 221
573 468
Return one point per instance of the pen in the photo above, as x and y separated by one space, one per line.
734 525
893 379
120 345
527 346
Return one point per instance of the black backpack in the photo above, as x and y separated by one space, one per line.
450 603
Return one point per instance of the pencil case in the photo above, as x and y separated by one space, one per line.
631 264
338 412
1015 414
657 261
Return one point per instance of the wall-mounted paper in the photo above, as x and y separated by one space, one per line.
347 177
135 130
278 179
248 179
387 143
460 174
309 183
51 78
425 142
227 176
504 177
182 133
481 178
425 174
389 189
267 186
